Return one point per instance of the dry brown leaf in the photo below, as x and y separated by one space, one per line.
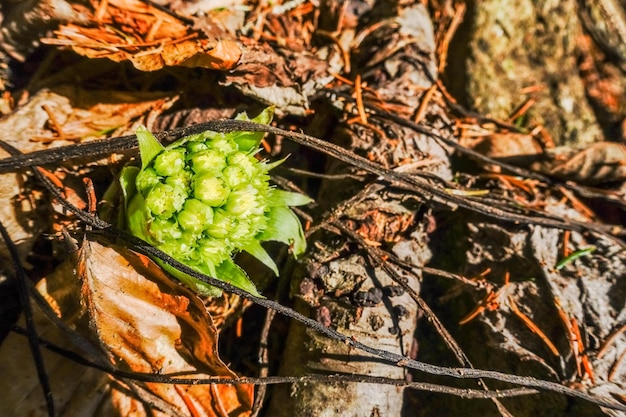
505 146
77 391
148 37
56 118
145 322
600 162
68 114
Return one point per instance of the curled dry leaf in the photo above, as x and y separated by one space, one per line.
510 147
56 118
600 162
145 322
68 114
146 36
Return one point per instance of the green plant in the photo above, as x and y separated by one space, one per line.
206 197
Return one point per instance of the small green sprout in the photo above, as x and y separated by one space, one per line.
206 197
573 256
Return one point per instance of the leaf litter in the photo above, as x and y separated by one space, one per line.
138 319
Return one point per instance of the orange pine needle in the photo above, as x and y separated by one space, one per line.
523 108
584 360
485 272
489 300
421 109
472 315
577 204
266 146
239 327
56 126
342 79
190 406
588 369
53 178
616 365
359 99
566 236
459 12
91 195
533 327
609 341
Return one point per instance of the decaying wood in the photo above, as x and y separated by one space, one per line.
344 286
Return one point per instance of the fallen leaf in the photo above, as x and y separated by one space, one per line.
150 38
600 162
510 147
76 390
144 322
68 114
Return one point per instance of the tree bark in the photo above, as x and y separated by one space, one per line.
343 287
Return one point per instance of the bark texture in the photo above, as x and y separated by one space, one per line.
343 287
511 46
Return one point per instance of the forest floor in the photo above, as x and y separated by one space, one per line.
466 248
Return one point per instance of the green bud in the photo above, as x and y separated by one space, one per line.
234 176
222 224
181 180
195 216
170 162
184 246
223 145
163 230
205 197
146 179
244 202
210 190
163 200
212 249
209 161
242 231
194 145
245 162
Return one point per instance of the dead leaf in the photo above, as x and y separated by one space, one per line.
150 38
509 147
145 322
77 390
68 114
600 162
19 216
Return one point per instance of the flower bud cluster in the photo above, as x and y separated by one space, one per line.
206 197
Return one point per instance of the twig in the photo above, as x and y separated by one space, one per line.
31 330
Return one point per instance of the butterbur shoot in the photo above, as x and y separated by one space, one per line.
206 197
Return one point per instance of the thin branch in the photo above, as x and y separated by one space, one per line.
31 330
179 378
412 182
409 182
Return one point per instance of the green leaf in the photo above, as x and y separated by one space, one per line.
255 249
271 165
127 182
149 146
200 287
249 141
287 198
582 252
138 217
284 226
230 272
227 271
